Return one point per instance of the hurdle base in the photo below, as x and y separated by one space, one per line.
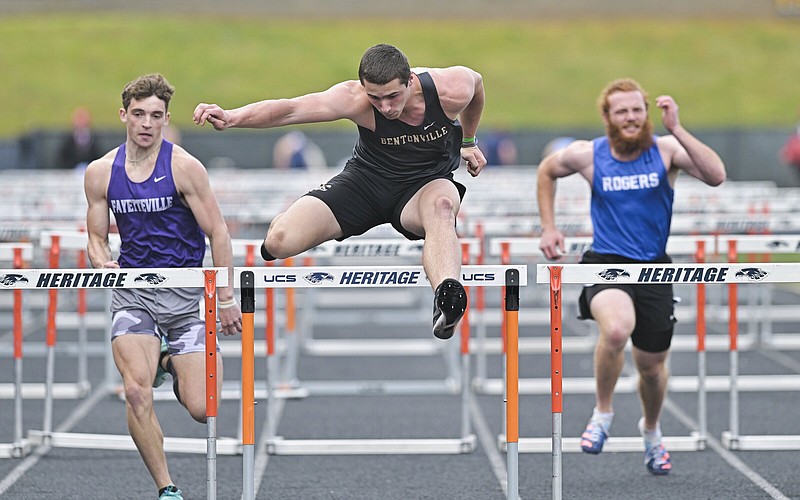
619 444
15 450
225 446
34 390
760 443
371 347
628 385
281 446
446 386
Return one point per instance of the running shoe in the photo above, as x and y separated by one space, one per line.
171 493
161 373
594 437
657 460
449 304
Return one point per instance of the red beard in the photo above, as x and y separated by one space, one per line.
630 146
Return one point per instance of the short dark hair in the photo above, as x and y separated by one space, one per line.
382 64
145 86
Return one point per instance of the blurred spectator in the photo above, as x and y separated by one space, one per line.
499 149
80 146
556 144
172 134
790 152
294 150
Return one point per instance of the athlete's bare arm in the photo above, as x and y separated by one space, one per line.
575 158
98 220
345 100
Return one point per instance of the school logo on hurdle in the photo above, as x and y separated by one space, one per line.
775 244
752 273
318 277
151 278
12 279
613 274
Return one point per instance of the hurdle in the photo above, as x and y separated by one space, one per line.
679 246
732 439
378 249
54 242
206 278
723 273
18 254
340 276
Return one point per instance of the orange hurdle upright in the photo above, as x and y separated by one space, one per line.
556 375
512 382
248 385
211 382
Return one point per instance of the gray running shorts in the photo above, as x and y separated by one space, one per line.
170 312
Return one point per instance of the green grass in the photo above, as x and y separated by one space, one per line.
537 74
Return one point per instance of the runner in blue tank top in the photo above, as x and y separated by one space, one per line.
164 207
414 128
632 174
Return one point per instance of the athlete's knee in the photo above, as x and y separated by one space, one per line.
652 369
139 398
444 206
276 244
615 335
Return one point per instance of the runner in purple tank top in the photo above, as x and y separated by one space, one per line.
164 208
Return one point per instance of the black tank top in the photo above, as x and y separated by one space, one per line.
402 152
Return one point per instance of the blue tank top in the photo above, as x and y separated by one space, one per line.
156 228
402 152
631 204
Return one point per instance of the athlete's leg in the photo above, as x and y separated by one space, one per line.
431 213
305 224
653 378
190 371
136 356
613 311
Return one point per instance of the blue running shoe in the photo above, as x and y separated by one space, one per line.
657 460
656 457
594 437
171 492
161 373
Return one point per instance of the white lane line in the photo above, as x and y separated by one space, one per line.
261 459
489 444
727 455
30 461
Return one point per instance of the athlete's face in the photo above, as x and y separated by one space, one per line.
144 120
389 99
627 124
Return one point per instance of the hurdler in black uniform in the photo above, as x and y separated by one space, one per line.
390 165
396 168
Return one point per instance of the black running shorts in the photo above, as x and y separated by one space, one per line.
361 200
654 304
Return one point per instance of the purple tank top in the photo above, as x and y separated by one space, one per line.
156 228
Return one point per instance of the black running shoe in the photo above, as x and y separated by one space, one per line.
449 304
